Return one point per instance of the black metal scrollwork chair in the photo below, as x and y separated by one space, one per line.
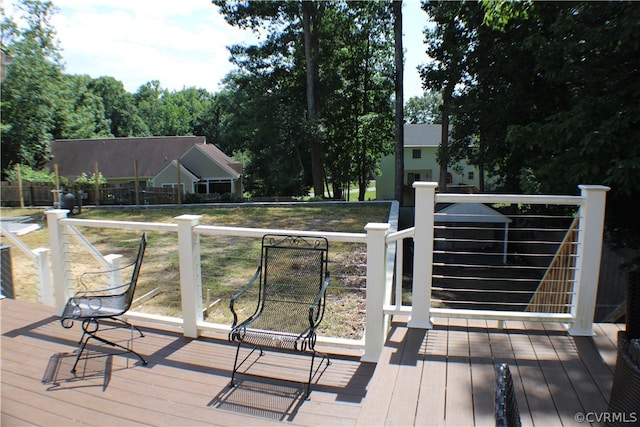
292 282
93 306
507 414
624 398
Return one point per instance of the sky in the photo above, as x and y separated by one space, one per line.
179 43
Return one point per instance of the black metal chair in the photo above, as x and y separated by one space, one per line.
93 306
624 399
507 414
292 282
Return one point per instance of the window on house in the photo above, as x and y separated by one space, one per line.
412 177
470 175
417 153
219 187
173 185
449 178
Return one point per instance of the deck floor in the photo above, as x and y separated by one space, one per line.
443 376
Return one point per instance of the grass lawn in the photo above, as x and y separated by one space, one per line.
227 262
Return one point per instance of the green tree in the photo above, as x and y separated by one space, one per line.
263 106
592 52
356 90
202 110
28 174
29 92
399 100
424 109
549 98
150 106
119 108
310 22
352 90
79 112
448 43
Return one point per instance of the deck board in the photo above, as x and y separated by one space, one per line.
439 377
482 373
431 406
459 408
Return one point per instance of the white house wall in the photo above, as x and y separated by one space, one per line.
428 168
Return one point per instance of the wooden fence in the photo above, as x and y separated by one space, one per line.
46 194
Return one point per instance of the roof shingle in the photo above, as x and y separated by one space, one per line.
116 156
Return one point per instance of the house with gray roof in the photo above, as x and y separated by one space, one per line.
152 162
421 143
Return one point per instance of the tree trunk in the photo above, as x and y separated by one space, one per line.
364 172
481 184
443 150
308 15
399 105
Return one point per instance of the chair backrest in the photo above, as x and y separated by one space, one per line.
507 414
632 308
128 295
293 271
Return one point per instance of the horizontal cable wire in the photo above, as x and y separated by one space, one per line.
481 262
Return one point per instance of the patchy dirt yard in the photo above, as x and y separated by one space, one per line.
227 262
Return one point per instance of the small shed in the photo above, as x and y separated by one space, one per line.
479 214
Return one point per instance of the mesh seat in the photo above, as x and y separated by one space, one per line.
92 307
292 280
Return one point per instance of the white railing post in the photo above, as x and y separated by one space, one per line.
591 230
375 329
423 255
115 276
43 276
60 262
190 274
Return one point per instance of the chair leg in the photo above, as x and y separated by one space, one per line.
124 322
311 373
92 334
236 365
84 344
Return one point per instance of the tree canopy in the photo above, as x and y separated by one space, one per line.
547 95
543 96
310 106
324 73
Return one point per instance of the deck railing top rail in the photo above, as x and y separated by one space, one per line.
380 239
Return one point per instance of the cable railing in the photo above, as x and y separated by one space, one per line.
557 287
478 265
500 257
450 264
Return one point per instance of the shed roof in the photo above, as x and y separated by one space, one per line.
470 212
115 156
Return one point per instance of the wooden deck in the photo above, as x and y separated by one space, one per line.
444 376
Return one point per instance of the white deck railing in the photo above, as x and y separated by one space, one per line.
584 275
40 259
383 281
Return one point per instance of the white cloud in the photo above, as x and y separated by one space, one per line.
181 44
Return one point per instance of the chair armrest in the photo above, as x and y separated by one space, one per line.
239 294
100 292
102 272
316 303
